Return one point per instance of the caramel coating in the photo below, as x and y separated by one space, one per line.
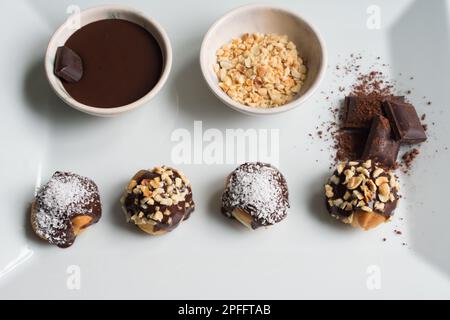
80 223
367 220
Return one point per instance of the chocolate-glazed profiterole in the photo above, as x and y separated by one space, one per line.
158 200
256 195
362 194
64 207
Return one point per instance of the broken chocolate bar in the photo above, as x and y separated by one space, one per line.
68 65
380 146
405 122
350 144
360 110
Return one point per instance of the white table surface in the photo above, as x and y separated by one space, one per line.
306 256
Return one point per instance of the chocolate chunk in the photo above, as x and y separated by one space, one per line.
380 146
360 110
405 122
350 144
68 65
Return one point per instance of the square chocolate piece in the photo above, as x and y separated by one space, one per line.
68 65
380 146
350 144
405 122
359 111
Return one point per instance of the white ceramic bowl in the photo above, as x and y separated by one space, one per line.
265 19
101 13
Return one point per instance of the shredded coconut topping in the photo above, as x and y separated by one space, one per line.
65 196
260 190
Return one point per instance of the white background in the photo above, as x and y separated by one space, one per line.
306 256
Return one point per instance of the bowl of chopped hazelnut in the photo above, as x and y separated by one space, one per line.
263 60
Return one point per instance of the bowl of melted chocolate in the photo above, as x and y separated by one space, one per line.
108 60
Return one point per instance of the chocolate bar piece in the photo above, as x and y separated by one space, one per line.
380 146
68 65
405 122
360 110
350 144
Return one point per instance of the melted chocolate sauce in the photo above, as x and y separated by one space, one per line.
122 63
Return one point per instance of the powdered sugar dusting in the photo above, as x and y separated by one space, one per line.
260 190
65 196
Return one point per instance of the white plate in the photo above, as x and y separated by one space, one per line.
307 256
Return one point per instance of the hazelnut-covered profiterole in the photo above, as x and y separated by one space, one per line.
362 194
256 195
157 201
64 207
